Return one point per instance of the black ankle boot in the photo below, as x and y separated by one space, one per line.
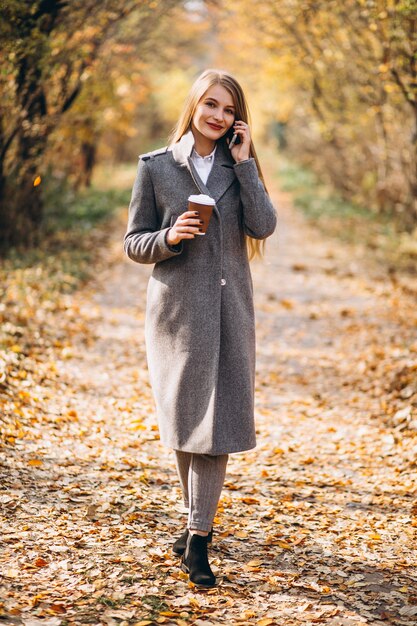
195 562
179 546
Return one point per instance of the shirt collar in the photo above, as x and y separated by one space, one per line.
208 157
181 151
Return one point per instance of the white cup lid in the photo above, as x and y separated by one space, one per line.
202 199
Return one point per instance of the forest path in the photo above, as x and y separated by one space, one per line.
316 525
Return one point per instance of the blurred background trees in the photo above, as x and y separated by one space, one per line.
343 79
66 66
332 82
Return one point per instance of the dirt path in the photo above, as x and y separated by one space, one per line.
315 526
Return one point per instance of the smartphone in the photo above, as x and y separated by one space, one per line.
234 140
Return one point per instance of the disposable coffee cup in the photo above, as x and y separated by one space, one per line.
204 205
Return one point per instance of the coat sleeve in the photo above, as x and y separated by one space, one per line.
144 241
259 215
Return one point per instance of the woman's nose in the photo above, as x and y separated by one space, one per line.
218 115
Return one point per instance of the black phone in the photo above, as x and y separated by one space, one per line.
234 138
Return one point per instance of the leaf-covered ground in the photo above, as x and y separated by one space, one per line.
315 526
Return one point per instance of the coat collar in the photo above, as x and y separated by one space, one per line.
222 174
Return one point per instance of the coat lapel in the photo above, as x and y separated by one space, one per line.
222 174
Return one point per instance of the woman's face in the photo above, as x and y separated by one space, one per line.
215 113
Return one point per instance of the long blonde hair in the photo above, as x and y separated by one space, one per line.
206 80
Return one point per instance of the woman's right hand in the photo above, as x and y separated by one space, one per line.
185 227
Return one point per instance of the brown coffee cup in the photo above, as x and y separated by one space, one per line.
204 205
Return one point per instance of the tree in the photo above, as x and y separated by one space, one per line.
350 67
47 48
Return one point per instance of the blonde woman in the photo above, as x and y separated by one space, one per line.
200 331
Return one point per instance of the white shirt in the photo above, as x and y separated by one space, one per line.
203 165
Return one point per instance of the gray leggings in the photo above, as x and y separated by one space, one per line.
201 477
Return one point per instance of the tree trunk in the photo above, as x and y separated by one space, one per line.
21 204
88 154
413 182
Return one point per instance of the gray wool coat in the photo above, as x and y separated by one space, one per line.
200 329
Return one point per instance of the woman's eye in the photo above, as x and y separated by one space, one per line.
210 104
229 112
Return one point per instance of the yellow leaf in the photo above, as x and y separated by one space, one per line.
37 181
127 558
308 461
254 563
266 621
15 348
242 534
375 537
299 540
137 427
35 462
247 614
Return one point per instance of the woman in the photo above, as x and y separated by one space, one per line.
200 336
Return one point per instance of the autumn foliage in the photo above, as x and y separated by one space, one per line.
334 82
52 51
317 524
340 80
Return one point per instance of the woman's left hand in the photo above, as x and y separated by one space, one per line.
240 152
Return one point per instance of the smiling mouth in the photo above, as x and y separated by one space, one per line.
215 126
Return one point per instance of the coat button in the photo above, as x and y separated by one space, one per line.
223 282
